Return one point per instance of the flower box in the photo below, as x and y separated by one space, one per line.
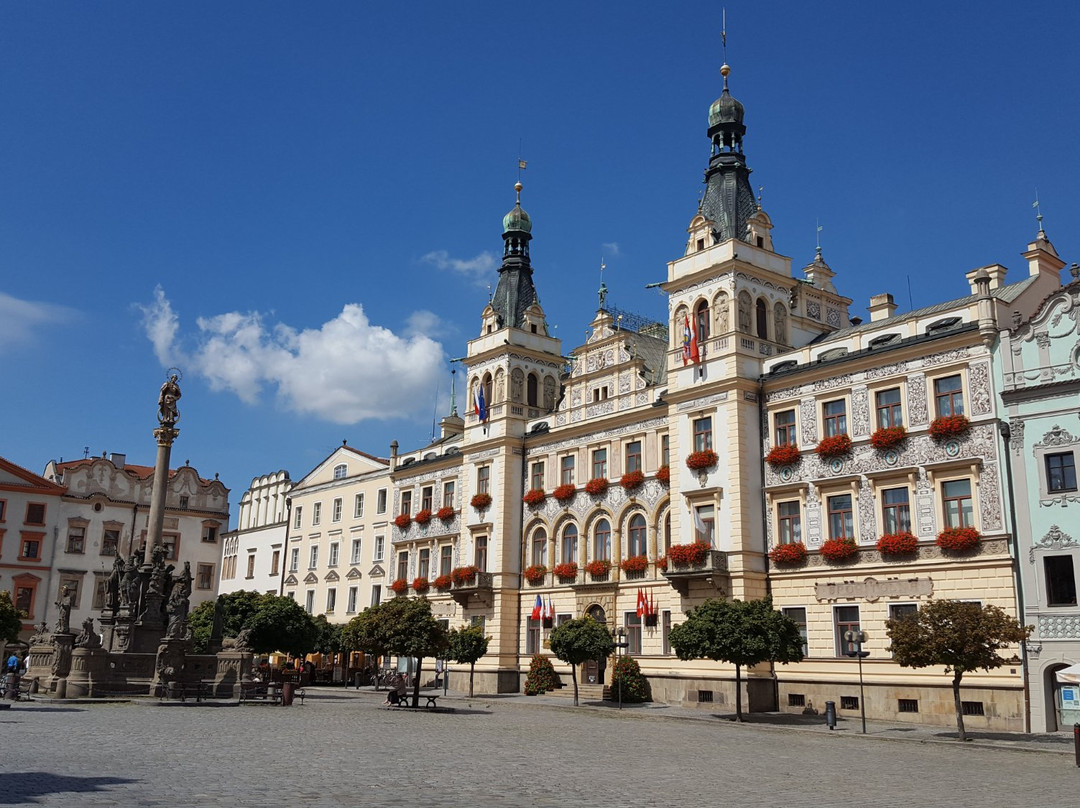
699 461
402 520
949 426
464 575
834 446
650 620
598 568
661 563
422 517
888 437
632 480
421 584
596 486
535 574
400 586
793 553
443 582
785 454
958 539
688 555
547 622
534 497
566 570
445 514
564 493
839 549
638 563
897 544
663 474
480 501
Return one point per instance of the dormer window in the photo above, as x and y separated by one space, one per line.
760 242
700 244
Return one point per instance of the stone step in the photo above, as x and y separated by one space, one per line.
585 692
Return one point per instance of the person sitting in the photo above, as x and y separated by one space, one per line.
398 692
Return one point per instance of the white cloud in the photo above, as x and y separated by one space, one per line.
479 270
346 371
20 318
611 249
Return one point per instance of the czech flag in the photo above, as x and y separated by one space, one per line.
479 405
690 350
538 608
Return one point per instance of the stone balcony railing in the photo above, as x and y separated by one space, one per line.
713 570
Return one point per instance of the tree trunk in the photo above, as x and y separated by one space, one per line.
738 693
573 677
472 670
416 681
959 707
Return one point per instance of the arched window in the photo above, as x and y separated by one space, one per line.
340 471
636 545
569 544
532 397
701 320
780 323
539 547
762 319
487 390
667 533
602 541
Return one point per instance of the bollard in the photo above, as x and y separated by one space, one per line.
830 714
287 691
1076 742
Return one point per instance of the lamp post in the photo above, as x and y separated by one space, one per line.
620 632
855 640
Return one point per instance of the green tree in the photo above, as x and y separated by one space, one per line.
236 609
281 624
739 632
367 632
10 619
412 631
328 636
577 641
628 681
961 636
466 645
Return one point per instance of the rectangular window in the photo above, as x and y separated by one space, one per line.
204 577
358 506
406 502
380 547
426 497
702 434
316 514
251 565
949 396
313 558
599 463
601 541
481 553
895 510
532 636
845 618
889 413
275 561
483 480
380 501
76 540
566 470
784 428
536 476
705 523
183 503
633 456
309 602
171 543
446 559
298 517
797 614
959 510
35 513
1061 472
898 611
354 556
209 533
351 606
448 494
101 586
24 599
376 594
841 523
30 549
335 513
569 544
1060 581
834 417
331 600
423 569
789 522
72 582
110 541
333 560
632 621
665 450
403 564
3 509
294 559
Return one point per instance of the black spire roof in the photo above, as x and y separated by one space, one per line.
728 201
515 291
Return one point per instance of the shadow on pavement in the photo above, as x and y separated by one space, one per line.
54 709
21 787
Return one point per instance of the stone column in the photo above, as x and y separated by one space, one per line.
89 668
168 415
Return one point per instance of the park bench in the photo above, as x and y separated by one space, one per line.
261 691
182 691
430 704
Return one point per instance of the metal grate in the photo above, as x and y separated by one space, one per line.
704 695
908 705
796 700
972 708
849 702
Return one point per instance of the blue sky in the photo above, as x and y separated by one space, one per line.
299 204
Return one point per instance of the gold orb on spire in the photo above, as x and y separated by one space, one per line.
725 70
518 186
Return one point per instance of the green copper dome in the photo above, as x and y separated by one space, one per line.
725 109
517 219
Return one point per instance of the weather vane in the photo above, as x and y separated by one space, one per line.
1038 210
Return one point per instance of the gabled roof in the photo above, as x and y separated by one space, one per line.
141 472
14 477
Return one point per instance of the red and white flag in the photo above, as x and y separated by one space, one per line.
642 604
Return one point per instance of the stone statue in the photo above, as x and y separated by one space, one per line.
129 585
780 323
88 638
241 642
498 396
41 637
61 663
157 572
744 313
168 412
723 316
63 611
517 385
178 604
549 393
112 584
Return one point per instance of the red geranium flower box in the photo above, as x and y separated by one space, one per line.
958 539
464 575
446 513
567 569
632 480
534 497
661 563
598 568
793 553
839 549
895 544
663 474
596 486
400 586
638 563
888 437
949 426
535 574
422 517
564 492
443 582
480 501
705 459
834 446
421 584
785 454
688 555
402 520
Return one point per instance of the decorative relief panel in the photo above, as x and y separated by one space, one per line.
1055 539
593 437
603 408
916 397
809 421
813 518
1059 627
946 356
860 412
1016 435
979 378
867 522
1057 437
989 497
833 316
698 403
886 371
813 310
833 382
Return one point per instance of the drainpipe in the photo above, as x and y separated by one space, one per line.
521 562
765 522
1014 551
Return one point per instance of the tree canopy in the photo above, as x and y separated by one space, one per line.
959 635
466 645
275 623
580 640
739 632
10 619
236 609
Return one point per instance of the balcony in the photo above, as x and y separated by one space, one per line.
712 570
478 590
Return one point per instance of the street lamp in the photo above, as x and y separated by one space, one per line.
620 632
855 640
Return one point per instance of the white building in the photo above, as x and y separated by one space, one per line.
253 554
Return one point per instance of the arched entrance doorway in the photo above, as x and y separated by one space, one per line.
593 671
1062 700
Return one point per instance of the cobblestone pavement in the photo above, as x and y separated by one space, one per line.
342 747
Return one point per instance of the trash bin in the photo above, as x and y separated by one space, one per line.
358 679
288 690
830 714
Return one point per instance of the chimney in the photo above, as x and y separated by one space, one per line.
118 460
996 273
881 307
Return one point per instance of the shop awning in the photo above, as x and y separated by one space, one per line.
1069 675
